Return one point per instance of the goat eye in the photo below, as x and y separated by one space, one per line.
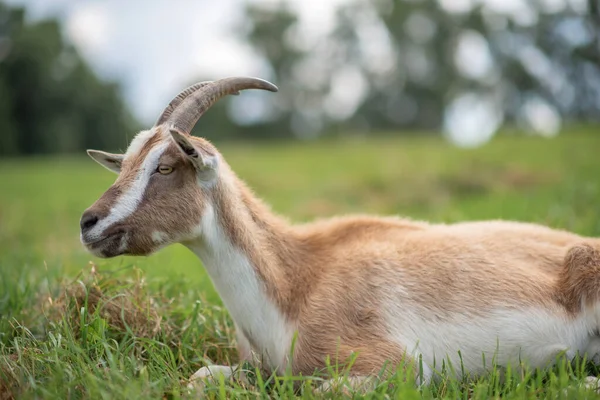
165 169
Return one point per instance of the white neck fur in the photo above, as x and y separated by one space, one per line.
242 292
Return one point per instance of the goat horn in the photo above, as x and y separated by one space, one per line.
173 104
191 108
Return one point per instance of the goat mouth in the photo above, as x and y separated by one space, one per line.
95 243
107 246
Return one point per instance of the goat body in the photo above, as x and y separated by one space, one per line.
394 290
383 290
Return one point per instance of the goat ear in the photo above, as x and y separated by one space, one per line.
202 160
110 161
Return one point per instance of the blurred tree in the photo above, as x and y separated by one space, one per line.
239 117
50 100
385 64
378 65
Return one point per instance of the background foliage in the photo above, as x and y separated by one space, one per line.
409 59
50 99
387 65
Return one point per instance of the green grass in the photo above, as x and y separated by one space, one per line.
72 326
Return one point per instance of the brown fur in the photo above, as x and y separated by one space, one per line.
327 275
579 281
170 203
329 278
177 205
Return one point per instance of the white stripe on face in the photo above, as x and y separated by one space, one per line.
128 202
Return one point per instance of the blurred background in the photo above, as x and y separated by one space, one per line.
81 74
439 110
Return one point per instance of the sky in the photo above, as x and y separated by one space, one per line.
156 48
152 49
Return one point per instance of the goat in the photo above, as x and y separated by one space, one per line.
380 290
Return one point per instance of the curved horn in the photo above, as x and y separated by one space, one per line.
191 108
173 104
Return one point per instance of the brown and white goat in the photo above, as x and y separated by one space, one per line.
386 290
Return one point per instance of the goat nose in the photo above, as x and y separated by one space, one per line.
88 221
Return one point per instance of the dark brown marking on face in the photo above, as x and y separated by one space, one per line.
103 205
129 171
169 209
171 204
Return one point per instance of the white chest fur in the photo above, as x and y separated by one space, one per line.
243 293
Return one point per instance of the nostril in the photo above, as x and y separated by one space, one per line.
88 220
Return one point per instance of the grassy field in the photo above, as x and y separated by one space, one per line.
72 326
